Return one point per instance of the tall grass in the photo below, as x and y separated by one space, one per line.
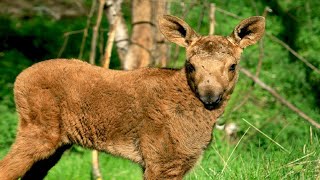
222 160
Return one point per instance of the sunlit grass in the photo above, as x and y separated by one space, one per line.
245 161
222 160
76 164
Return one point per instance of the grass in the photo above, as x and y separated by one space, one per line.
76 164
247 161
222 160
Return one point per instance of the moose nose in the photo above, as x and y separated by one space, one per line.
211 101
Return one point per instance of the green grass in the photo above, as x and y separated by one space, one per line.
77 165
222 160
251 156
249 161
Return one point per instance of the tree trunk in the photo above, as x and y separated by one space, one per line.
139 53
160 50
113 12
148 46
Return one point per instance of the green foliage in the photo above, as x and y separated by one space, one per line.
8 124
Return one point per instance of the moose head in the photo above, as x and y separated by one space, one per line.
212 61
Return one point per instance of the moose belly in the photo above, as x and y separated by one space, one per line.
127 149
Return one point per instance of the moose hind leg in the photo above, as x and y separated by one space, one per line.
38 137
40 168
23 154
29 148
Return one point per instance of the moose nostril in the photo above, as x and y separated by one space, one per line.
209 99
217 99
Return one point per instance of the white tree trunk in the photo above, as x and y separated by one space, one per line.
121 39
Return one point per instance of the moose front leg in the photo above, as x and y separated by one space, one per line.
167 168
165 158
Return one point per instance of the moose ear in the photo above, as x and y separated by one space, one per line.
248 31
176 30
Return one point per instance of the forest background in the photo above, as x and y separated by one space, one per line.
271 108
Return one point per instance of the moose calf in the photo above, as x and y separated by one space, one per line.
159 118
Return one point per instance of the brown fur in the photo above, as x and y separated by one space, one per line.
159 118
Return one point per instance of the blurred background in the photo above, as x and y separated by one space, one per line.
270 129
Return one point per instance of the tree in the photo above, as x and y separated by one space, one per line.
147 45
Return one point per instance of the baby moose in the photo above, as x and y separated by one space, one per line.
159 118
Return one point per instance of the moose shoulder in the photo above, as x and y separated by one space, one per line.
159 118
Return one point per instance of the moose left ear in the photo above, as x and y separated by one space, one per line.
248 31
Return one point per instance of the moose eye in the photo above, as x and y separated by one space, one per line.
232 67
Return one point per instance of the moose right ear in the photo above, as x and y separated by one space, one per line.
176 30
